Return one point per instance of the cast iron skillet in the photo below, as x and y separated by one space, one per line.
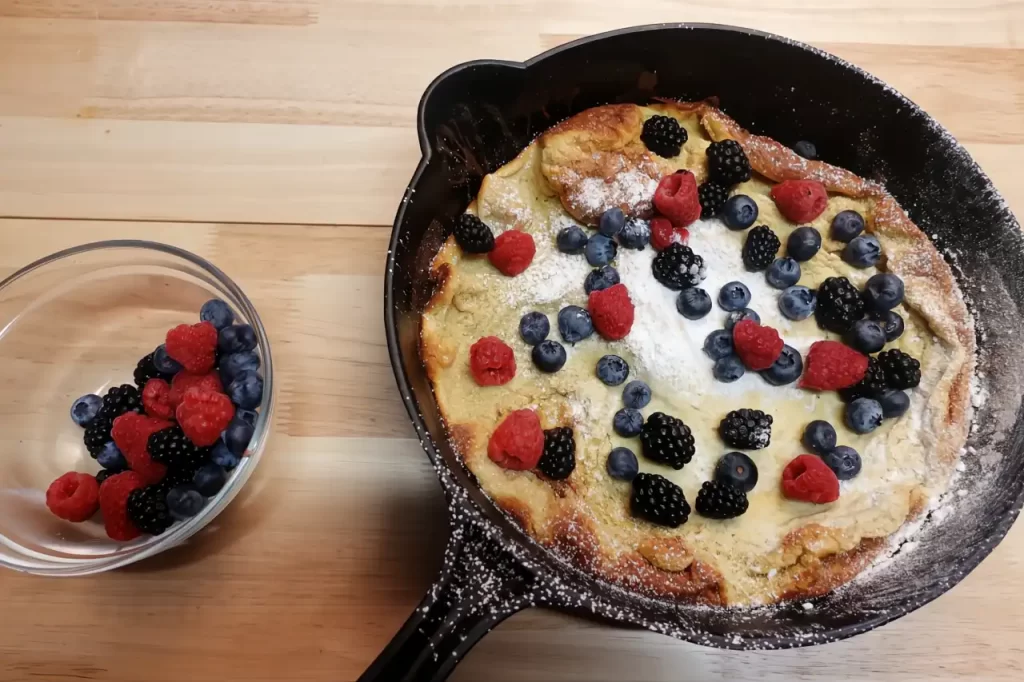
477 116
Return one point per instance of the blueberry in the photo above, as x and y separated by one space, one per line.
883 292
866 336
733 296
248 416
601 278
237 338
738 470
738 315
628 422
548 356
209 479
803 243
612 370
806 149
600 250
163 362
534 328
847 225
110 457
611 222
574 324
246 390
693 303
84 409
863 415
217 313
894 403
728 369
798 303
237 436
222 456
236 363
636 234
819 437
844 461
622 464
863 252
718 344
892 324
739 212
636 394
786 369
783 273
184 502
571 240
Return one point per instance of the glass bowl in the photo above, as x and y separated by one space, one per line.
77 322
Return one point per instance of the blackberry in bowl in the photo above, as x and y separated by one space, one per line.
87 321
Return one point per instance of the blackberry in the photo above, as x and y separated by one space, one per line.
472 234
663 135
712 197
678 267
901 370
559 458
727 163
104 474
146 370
871 386
97 433
121 399
760 248
178 475
721 500
746 429
172 447
839 305
147 509
667 440
658 500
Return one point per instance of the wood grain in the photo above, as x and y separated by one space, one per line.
282 130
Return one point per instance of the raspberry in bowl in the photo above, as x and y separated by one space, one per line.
139 397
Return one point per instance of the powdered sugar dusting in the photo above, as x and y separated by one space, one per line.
630 190
550 277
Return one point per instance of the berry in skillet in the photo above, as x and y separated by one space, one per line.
513 252
803 243
786 369
677 199
727 163
712 198
783 273
635 234
693 303
760 248
839 305
472 235
800 201
663 135
534 327
571 240
739 212
558 460
738 470
819 436
667 440
658 500
733 296
746 429
720 500
678 267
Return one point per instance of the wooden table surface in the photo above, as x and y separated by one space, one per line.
275 137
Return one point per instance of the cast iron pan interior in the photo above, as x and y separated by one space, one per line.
477 116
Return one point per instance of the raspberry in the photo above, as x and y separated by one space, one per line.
832 366
611 310
491 362
518 442
131 432
182 382
156 399
114 495
512 253
73 496
195 347
663 234
676 198
801 201
809 479
758 347
203 414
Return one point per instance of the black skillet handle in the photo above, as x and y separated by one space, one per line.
480 585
